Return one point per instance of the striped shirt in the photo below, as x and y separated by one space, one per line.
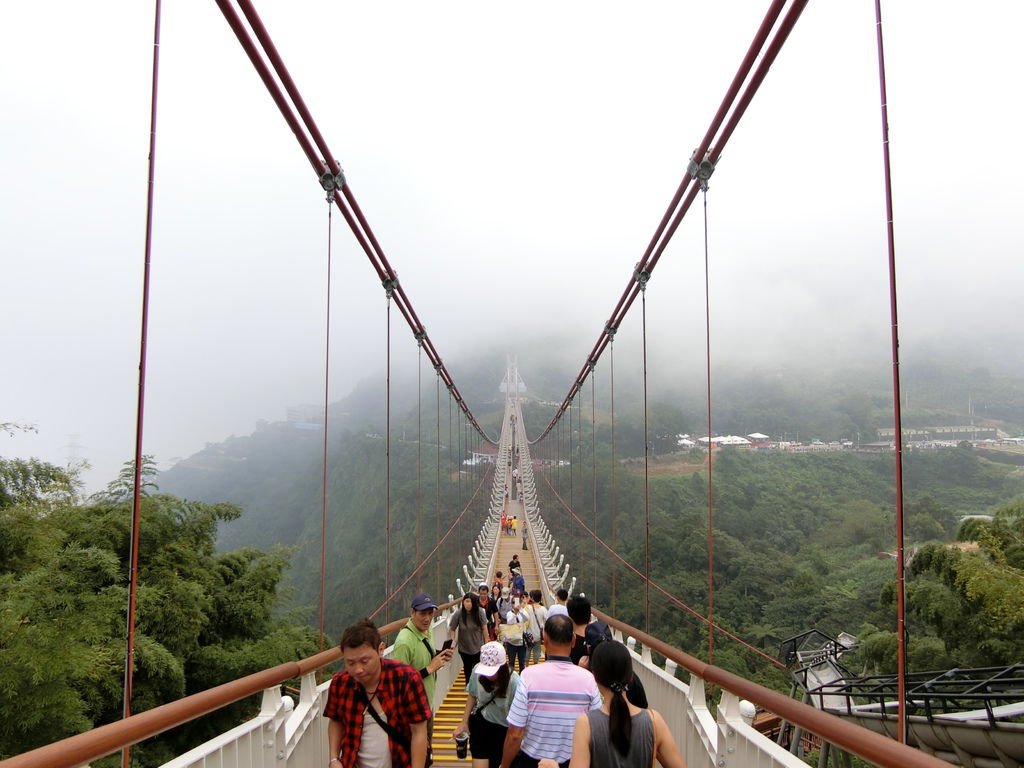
548 700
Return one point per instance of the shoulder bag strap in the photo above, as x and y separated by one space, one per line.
389 729
479 707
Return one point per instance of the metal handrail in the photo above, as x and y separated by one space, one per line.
859 741
84 748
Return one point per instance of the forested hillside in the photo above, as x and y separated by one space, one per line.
276 476
204 617
231 545
800 539
803 541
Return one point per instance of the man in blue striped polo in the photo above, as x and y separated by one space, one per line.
548 700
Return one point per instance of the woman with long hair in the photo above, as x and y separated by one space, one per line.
470 623
619 734
493 617
489 694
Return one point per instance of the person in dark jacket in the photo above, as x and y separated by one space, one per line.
598 632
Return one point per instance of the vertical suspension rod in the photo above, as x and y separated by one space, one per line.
140 409
647 453
387 471
901 630
323 479
419 466
711 445
614 504
593 468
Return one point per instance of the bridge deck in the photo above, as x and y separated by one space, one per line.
448 713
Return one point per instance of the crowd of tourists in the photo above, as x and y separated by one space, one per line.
582 705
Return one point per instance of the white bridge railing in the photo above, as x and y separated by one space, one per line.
286 732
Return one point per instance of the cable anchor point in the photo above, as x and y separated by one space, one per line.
420 336
610 330
332 182
641 276
389 284
701 171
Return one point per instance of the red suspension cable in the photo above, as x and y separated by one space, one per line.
647 453
669 223
901 631
323 480
140 409
593 469
437 487
419 447
322 161
614 504
387 471
711 445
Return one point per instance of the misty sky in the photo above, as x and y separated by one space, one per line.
514 160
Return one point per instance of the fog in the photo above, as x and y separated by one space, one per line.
513 161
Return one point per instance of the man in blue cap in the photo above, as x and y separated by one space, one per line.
415 646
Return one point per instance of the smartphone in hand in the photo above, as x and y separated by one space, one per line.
446 645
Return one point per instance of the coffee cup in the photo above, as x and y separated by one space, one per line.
461 744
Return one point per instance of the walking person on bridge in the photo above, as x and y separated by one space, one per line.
470 624
489 694
518 583
548 700
561 597
538 617
415 647
513 629
378 708
619 734
580 612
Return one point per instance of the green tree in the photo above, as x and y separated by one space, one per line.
203 617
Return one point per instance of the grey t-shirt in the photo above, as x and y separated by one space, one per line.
470 635
641 742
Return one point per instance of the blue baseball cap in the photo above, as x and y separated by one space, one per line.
423 602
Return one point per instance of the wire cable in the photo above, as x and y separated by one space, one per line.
387 468
711 445
614 504
323 478
647 452
140 411
901 626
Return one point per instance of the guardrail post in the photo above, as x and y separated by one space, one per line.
272 736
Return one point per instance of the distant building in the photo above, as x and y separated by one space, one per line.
954 433
732 441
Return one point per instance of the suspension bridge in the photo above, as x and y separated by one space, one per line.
716 731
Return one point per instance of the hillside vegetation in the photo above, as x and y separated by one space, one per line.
803 541
204 617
